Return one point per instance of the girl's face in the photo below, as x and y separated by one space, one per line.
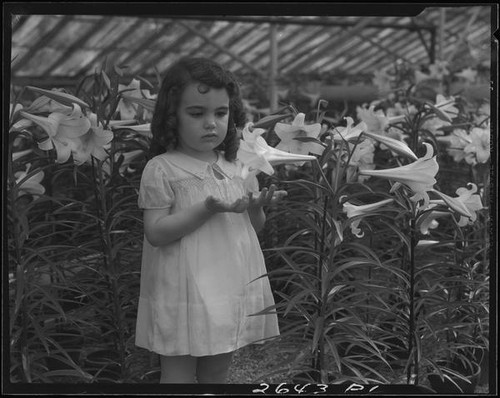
202 120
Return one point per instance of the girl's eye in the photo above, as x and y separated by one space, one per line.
221 113
196 114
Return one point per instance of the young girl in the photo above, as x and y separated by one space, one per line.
202 263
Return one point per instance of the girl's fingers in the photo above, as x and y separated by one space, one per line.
266 196
263 196
240 205
278 195
270 193
235 205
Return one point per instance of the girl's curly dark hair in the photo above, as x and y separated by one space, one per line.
177 77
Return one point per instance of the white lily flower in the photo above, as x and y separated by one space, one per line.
21 124
399 110
445 108
275 156
418 176
256 154
92 144
361 156
349 133
376 122
250 133
478 149
466 204
30 186
468 74
289 132
439 69
63 129
126 107
44 104
361 210
456 142
383 80
434 124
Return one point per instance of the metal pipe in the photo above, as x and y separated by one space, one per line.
298 21
273 67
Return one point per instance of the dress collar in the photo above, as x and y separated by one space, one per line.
200 168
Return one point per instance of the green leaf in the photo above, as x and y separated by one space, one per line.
63 98
118 70
318 332
147 104
105 77
269 121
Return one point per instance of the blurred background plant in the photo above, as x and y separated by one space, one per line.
379 258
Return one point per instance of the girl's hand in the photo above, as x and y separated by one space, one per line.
218 206
266 197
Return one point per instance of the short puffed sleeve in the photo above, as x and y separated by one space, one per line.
155 191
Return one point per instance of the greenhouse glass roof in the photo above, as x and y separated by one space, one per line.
58 48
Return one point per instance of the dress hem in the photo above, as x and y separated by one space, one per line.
225 351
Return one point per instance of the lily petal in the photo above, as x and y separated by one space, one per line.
75 124
30 185
376 122
349 133
466 204
63 147
395 145
63 98
361 210
92 144
357 210
289 134
50 124
250 133
256 154
276 156
454 204
60 124
20 154
480 144
444 108
45 104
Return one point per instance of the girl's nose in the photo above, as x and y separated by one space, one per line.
210 123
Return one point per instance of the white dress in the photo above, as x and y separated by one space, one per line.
198 294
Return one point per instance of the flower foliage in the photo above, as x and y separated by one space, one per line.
366 191
366 209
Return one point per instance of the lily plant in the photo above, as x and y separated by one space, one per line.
345 249
258 156
343 152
